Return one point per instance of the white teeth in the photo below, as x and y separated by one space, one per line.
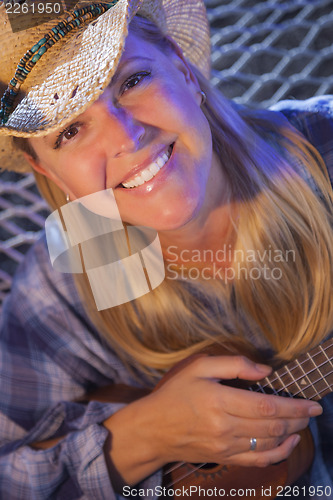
138 180
149 172
154 168
160 162
147 175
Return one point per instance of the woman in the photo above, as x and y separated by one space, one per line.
228 179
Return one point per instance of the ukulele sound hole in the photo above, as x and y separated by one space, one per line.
206 467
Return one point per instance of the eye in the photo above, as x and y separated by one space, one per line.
68 133
134 81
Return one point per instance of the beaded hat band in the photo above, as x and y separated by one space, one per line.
52 72
32 56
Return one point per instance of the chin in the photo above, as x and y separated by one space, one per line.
169 220
174 207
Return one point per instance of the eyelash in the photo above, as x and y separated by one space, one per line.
60 136
141 75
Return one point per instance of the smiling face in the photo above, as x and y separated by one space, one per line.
146 137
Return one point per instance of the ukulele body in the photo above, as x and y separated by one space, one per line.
216 481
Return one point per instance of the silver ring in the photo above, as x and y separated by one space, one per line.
253 444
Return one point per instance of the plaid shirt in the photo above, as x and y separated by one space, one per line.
51 354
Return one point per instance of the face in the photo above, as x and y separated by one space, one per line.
146 138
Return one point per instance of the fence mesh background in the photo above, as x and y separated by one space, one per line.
262 51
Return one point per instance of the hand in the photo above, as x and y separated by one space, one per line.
191 417
199 420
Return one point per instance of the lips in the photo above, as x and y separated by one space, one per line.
145 174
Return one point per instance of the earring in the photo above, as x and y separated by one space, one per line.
67 198
203 97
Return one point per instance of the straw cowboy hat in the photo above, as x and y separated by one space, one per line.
63 68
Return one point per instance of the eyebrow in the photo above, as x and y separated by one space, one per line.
115 76
134 58
128 60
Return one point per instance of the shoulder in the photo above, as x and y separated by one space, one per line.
48 337
319 104
314 119
43 306
43 313
36 285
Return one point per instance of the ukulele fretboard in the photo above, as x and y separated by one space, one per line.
310 376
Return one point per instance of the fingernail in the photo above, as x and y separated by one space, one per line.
296 440
315 410
264 369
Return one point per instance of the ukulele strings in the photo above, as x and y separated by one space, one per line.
279 377
285 386
200 466
278 391
178 465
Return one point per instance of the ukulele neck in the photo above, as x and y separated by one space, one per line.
309 377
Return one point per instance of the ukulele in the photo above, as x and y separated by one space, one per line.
310 376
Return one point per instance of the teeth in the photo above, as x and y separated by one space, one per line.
154 168
138 181
149 172
147 175
160 162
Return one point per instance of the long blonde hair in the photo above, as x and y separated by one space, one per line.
279 213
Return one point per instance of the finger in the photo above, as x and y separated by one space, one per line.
267 457
244 445
266 428
238 402
229 367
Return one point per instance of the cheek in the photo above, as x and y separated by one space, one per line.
88 173
81 174
172 107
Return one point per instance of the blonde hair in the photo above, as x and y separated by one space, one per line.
278 211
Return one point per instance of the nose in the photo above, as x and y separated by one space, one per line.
125 133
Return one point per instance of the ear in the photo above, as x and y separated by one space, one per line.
181 63
38 167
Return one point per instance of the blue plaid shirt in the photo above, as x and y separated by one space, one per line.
51 354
